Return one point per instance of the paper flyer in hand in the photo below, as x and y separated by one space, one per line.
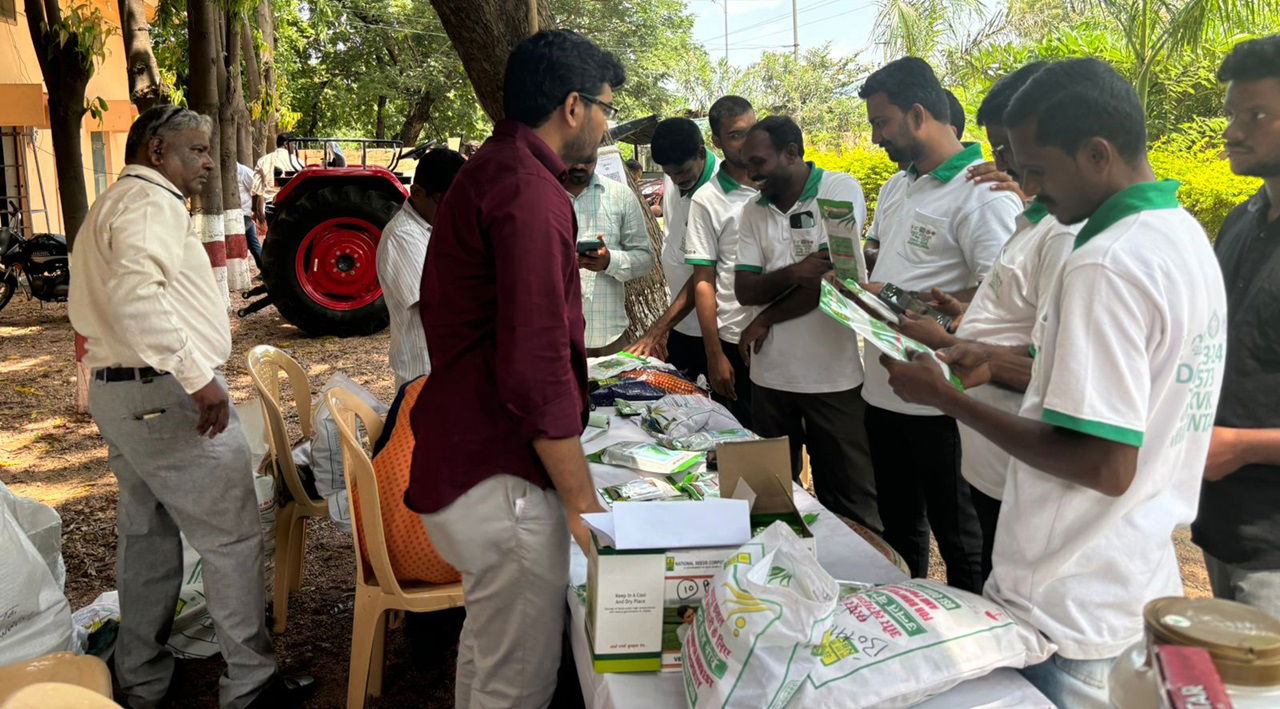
876 333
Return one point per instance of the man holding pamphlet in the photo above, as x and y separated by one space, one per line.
805 368
1109 446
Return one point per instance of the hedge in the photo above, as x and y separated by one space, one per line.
1209 189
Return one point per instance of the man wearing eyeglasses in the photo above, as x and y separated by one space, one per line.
498 471
156 327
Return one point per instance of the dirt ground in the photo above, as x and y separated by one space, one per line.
53 454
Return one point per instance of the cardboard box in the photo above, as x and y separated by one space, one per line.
638 599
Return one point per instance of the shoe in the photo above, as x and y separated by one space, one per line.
284 691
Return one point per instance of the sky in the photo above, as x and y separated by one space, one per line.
758 26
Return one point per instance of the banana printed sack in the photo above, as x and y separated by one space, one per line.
754 640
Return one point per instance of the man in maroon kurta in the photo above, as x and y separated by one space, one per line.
498 472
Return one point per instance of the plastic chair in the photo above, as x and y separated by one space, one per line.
377 589
84 671
266 364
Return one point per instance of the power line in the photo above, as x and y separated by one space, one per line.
820 20
779 18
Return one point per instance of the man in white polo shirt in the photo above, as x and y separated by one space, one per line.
804 365
676 336
995 332
711 247
1111 442
937 230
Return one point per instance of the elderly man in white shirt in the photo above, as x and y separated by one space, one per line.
145 299
402 252
283 160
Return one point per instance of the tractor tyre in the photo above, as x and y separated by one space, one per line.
320 260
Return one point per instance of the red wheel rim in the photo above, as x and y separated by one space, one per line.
337 263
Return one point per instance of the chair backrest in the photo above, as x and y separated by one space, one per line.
266 364
362 487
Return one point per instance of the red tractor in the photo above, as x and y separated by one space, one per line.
319 258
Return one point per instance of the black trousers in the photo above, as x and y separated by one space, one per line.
741 409
830 426
988 509
919 487
687 354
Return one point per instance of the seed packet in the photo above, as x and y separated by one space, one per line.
627 409
874 331
640 490
647 457
697 486
707 440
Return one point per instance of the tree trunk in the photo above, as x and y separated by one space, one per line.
484 32
230 96
417 118
380 122
270 118
145 87
66 74
253 77
647 297
202 96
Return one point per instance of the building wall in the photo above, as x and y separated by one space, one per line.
23 104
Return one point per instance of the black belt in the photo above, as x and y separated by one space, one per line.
125 374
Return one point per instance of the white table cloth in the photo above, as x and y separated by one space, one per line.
841 552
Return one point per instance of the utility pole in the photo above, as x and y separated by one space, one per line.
726 30
795 33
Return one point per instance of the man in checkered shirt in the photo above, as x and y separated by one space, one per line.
613 249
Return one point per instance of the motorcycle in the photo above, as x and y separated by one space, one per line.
43 258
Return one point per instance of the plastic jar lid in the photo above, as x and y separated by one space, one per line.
1243 641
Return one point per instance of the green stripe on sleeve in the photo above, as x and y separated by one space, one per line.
1119 434
699 262
748 269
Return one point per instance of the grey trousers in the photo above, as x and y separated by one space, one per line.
831 427
172 479
1259 588
510 541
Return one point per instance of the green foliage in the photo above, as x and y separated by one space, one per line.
866 163
818 91
651 38
1173 65
82 22
1209 189
96 107
337 57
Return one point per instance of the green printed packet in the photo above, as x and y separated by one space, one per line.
641 490
697 486
627 409
647 457
875 332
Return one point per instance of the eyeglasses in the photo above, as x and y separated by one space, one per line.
609 109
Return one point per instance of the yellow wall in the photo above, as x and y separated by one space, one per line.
22 103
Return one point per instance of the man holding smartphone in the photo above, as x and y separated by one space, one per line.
613 248
936 230
498 471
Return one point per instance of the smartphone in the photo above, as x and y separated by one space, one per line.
587 248
902 301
